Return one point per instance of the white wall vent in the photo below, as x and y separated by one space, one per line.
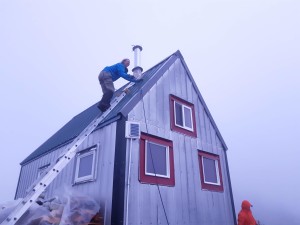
132 130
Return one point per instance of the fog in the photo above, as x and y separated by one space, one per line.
243 55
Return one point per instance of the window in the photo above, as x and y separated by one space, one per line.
156 161
85 165
210 171
42 170
182 116
159 166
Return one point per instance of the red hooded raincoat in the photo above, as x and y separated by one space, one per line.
245 215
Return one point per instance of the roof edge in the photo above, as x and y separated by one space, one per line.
101 125
139 95
178 53
169 61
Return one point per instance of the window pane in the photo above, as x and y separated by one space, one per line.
42 170
210 174
178 114
159 157
187 117
85 166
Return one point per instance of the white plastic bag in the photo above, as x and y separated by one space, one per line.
68 207
78 209
7 207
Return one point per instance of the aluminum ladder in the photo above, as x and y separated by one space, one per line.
62 162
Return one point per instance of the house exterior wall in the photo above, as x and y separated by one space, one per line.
100 189
186 202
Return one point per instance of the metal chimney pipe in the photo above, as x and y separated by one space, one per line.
137 70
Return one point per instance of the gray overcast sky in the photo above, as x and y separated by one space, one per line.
243 55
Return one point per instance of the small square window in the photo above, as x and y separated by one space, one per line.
156 161
85 166
210 171
182 116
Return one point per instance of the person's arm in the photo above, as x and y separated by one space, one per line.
122 73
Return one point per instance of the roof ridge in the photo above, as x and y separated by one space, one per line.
78 123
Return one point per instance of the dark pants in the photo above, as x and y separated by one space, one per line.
108 89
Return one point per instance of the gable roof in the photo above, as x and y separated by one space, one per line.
78 123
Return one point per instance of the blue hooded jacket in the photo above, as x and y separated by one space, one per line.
119 70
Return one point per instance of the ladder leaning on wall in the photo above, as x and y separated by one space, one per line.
40 186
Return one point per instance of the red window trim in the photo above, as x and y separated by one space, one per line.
205 186
149 179
173 99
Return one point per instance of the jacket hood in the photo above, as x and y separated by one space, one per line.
246 205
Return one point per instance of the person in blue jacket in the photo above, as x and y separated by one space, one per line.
106 78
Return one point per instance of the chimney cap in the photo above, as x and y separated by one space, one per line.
137 46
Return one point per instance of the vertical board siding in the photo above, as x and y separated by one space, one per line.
100 189
29 172
186 202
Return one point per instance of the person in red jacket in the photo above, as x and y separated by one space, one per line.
245 216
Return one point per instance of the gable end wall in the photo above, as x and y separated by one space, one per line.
186 202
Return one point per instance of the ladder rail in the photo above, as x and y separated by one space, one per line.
68 155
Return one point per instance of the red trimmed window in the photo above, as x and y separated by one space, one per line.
156 161
210 171
182 116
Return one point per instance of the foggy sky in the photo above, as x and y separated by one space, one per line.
243 55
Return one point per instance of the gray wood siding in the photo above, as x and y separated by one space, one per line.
100 189
186 202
